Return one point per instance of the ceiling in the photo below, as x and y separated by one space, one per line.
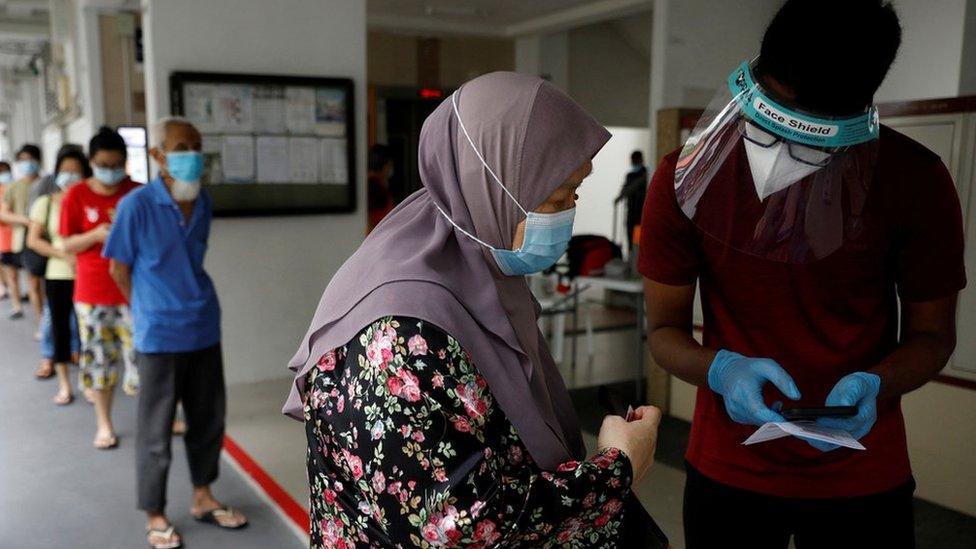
494 17
480 12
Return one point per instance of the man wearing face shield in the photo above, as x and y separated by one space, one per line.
804 222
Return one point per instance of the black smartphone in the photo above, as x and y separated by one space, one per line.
797 414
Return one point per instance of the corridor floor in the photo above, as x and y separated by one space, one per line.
56 490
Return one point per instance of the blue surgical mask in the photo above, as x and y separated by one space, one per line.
546 235
109 176
26 168
185 166
6 177
65 179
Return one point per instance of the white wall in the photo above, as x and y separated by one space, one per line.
269 271
615 93
930 59
594 210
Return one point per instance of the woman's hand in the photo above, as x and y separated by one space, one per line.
636 438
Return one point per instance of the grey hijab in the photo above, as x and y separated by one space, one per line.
416 264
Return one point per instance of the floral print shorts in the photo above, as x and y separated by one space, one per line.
106 347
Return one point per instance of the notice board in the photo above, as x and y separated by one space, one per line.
272 144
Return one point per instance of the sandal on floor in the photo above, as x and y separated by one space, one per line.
220 517
106 443
172 539
44 371
63 400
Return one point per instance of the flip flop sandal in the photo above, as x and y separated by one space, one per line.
64 400
112 443
168 534
44 372
214 515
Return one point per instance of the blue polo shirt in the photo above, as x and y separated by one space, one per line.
174 305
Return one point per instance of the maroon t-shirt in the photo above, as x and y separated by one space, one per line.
820 320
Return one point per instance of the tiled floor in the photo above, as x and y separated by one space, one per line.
58 491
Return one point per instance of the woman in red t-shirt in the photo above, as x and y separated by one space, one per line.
103 313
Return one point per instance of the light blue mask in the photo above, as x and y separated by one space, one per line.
65 179
6 177
109 176
546 235
546 240
26 168
185 165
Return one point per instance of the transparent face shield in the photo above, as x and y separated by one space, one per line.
773 181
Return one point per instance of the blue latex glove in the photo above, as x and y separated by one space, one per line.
858 389
740 381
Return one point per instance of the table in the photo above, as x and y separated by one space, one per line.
631 286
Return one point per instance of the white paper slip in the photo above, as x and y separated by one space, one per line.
806 430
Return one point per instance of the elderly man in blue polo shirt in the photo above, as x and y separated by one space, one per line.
156 247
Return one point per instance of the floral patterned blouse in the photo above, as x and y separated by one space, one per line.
407 448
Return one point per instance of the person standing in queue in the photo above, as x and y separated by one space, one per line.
804 223
156 250
87 211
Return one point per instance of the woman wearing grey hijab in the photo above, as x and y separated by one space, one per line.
434 413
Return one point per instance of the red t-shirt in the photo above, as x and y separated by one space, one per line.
820 320
6 233
82 209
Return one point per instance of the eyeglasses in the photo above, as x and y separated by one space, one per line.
810 156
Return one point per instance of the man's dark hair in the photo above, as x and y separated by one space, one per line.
833 54
379 156
637 157
5 164
106 139
75 152
30 149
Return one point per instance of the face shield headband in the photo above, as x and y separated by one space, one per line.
772 181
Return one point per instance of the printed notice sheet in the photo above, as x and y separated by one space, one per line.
333 161
237 159
272 157
303 159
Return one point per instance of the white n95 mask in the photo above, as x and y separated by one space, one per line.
773 167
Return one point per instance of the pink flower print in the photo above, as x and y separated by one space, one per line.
442 354
441 528
411 385
440 475
329 496
437 380
486 532
379 482
476 508
318 399
417 346
461 424
515 454
394 385
474 403
418 436
589 500
393 487
379 352
341 404
567 466
327 362
354 464
613 506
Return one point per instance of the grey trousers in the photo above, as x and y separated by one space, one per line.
196 379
